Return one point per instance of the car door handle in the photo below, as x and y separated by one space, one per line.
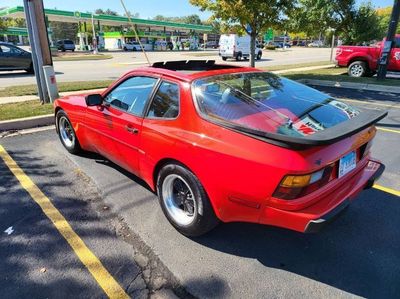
131 129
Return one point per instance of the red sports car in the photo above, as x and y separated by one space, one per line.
227 143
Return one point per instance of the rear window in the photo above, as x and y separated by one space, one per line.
68 42
268 103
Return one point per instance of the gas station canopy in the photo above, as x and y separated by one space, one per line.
74 17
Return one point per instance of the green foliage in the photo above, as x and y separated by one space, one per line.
63 30
256 14
190 19
384 19
353 24
359 32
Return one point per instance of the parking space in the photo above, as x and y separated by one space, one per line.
355 256
42 254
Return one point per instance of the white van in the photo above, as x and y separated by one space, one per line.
237 47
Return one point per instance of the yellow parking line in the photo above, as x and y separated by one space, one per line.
91 262
386 189
388 130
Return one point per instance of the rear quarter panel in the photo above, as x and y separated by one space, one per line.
231 165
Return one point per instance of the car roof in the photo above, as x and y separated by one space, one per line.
189 70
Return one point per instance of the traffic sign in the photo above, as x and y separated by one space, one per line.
269 34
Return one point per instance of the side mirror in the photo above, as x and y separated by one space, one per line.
94 100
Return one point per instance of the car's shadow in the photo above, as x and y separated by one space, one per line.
358 253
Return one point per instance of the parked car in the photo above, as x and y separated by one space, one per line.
210 44
65 45
135 46
236 47
316 44
363 61
227 143
284 45
13 58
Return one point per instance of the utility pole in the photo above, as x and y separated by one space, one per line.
41 55
388 45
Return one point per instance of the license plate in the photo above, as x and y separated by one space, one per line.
347 164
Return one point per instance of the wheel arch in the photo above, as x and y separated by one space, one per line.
160 164
359 58
164 161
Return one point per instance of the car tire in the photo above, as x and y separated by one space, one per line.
259 54
184 201
239 56
30 70
357 69
125 49
66 133
224 58
73 50
63 49
134 49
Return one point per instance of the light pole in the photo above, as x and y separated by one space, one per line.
388 45
333 42
94 39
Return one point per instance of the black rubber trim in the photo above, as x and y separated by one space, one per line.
375 176
316 225
328 136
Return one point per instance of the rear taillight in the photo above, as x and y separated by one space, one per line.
295 186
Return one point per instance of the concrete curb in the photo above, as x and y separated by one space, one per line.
27 122
351 85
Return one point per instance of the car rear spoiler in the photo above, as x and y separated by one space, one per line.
363 120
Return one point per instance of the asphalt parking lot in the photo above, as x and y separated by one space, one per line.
121 223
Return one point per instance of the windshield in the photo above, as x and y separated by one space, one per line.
268 103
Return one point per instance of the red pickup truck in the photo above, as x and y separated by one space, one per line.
363 61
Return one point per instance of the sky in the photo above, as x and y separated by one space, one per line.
146 8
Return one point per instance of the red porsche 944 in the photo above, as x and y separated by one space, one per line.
227 143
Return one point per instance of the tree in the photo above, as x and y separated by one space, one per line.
253 16
384 19
62 30
359 32
192 19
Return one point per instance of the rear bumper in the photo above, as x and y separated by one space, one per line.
313 218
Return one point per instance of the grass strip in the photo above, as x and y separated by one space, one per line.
24 109
82 57
22 90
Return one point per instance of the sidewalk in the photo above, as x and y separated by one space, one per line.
16 99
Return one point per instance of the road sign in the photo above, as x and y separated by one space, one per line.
269 34
77 14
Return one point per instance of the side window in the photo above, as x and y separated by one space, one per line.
15 50
132 95
5 49
165 103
